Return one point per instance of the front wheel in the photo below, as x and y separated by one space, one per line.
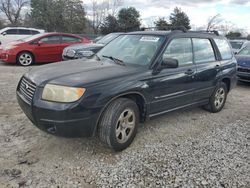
218 99
25 59
119 123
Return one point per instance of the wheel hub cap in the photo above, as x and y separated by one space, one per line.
125 125
219 98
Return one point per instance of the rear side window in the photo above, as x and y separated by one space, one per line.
180 49
69 39
11 32
54 39
34 32
224 48
24 32
203 51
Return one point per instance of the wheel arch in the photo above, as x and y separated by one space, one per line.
137 97
227 81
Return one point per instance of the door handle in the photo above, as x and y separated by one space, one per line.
189 72
217 67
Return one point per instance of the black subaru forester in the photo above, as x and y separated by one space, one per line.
137 76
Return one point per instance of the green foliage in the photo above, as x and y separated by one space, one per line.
179 18
162 24
129 19
233 35
110 25
58 15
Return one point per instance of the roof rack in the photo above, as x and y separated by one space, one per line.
207 31
182 29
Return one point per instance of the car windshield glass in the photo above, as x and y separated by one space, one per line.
133 49
106 39
245 51
236 45
32 37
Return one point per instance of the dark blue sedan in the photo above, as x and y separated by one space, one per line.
243 59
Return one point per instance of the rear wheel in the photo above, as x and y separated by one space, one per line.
218 99
25 59
119 123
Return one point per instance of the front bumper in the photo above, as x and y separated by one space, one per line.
66 120
243 74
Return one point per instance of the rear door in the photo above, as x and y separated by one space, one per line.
49 49
208 67
23 33
69 40
173 88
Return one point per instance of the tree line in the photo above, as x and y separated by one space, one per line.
100 17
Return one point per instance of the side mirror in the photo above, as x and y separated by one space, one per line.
169 63
39 43
4 33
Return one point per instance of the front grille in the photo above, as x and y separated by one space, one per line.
27 89
244 70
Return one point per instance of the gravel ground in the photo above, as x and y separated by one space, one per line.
188 148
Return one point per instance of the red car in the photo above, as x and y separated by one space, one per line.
40 48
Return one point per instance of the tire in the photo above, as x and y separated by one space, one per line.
25 59
218 99
119 124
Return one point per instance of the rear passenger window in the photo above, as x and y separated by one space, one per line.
224 48
180 49
11 32
34 32
69 39
53 39
203 51
24 32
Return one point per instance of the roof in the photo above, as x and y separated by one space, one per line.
22 28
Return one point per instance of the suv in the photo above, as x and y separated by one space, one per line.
10 34
137 76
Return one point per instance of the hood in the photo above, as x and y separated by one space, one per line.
77 47
79 72
243 61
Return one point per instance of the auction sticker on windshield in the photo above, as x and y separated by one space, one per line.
149 39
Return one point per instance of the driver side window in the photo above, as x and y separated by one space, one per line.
181 50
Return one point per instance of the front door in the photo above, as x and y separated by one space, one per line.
173 88
49 49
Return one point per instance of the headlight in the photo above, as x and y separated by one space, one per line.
9 47
57 93
85 53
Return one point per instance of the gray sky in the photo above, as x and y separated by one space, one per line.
236 12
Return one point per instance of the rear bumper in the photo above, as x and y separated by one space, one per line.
59 119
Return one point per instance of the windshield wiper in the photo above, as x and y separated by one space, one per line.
117 61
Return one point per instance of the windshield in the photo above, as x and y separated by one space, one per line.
236 45
108 38
245 51
133 49
30 38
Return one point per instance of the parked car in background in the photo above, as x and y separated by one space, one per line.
39 48
10 34
237 45
135 77
243 60
79 51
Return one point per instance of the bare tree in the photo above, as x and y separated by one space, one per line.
100 10
12 9
214 22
